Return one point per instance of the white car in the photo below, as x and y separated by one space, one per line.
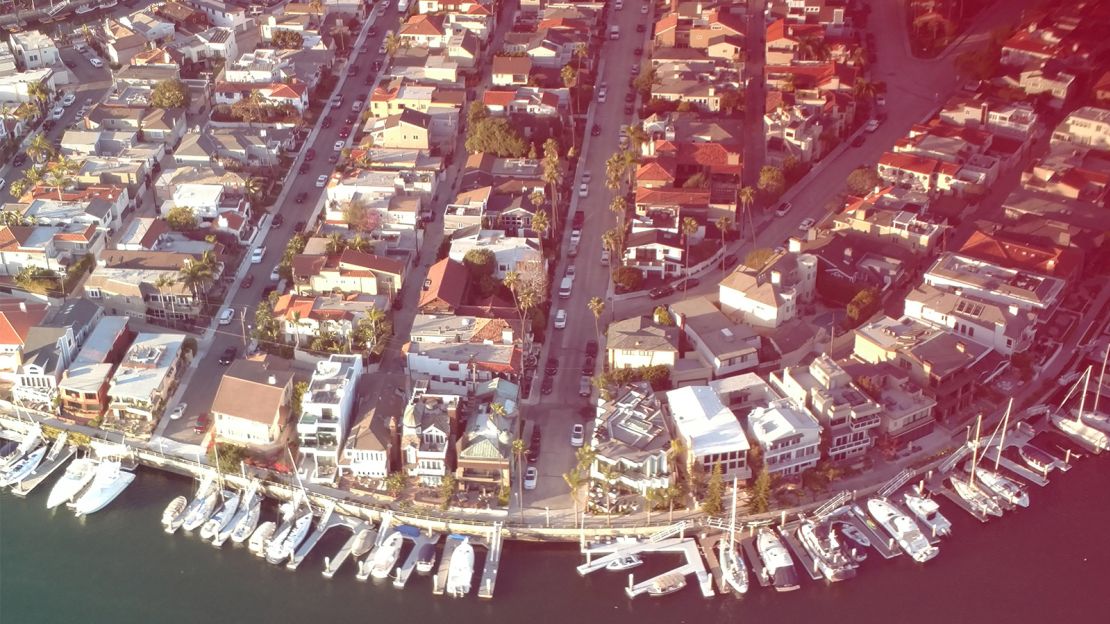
806 224
618 5
871 125
561 319
601 92
226 316
577 435
321 181
179 411
570 267
68 100
643 9
275 276
57 113
96 62
583 190
339 145
575 237
257 253
783 208
3 183
530 477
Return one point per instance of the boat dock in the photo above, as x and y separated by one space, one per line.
42 472
708 545
332 564
1022 471
327 521
402 574
662 540
759 573
789 534
439 581
937 487
880 540
694 565
383 532
493 562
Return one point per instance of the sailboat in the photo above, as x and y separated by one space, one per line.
386 555
223 517
247 520
204 508
23 467
928 511
29 442
110 480
461 568
1003 486
732 566
76 478
1077 428
979 500
261 537
903 529
285 542
778 565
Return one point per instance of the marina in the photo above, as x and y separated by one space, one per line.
45 469
360 532
405 570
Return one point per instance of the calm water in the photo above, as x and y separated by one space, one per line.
1045 564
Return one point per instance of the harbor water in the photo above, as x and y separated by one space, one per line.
1046 563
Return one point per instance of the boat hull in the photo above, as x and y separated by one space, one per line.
94 501
77 477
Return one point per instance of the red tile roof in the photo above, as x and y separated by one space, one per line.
498 98
1010 252
909 162
656 169
713 156
445 286
423 25
672 196
17 317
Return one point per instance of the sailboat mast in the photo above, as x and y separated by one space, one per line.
732 521
975 451
1101 377
1083 397
1002 438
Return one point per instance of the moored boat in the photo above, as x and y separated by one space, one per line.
76 478
364 541
386 555
110 480
174 509
976 498
732 566
201 512
903 529
825 550
667 584
85 9
460 569
426 559
212 527
778 565
1003 486
1086 433
1036 459
282 546
928 511
23 467
261 537
248 521
624 562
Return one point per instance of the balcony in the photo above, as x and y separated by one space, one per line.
863 422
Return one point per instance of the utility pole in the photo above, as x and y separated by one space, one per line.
243 326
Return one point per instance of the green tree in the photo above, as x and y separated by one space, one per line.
38 93
40 149
596 305
645 80
627 278
862 181
181 218
60 172
712 502
689 228
227 457
662 316
171 94
481 264
724 224
359 216
287 40
518 455
447 488
863 305
758 258
760 499
772 181
496 136
476 113
574 481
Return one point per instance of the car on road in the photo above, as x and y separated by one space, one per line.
345 132
661 291
257 253
350 119
226 316
311 153
689 282
299 227
369 79
585 387
68 99
561 319
552 365
179 411
570 267
530 477
639 28
548 385
638 51
58 112
19 159
880 100
303 169
643 9
356 106
575 238
248 281
630 97
577 435
326 123
783 208
806 224
96 62
352 70
373 32
858 141
586 177
871 125
375 66
583 190
588 366
275 275
321 181
595 131
333 158
227 356
779 250
533 452
601 93
591 348
628 109
277 221
202 423
730 260
339 145
300 197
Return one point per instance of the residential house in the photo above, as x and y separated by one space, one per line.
640 341
1012 119
207 201
631 439
881 220
701 95
920 173
442 292
147 377
83 388
348 272
424 31
252 405
907 412
709 431
458 368
484 451
49 348
729 347
427 434
305 317
770 296
787 434
511 70
1006 329
327 411
220 12
1086 126
1023 289
655 251
34 50
145 285
409 129
367 450
511 253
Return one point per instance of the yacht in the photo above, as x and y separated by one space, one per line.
1083 431
77 477
461 568
732 566
827 555
1004 487
853 533
386 556
282 546
109 482
174 509
30 441
196 515
975 497
624 562
23 467
364 541
928 511
247 520
903 529
425 559
1036 459
261 537
223 517
778 566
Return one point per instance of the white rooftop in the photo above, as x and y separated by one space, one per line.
701 418
780 420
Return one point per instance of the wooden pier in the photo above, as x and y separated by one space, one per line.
401 576
332 564
439 581
24 487
759 573
708 545
327 522
493 562
789 534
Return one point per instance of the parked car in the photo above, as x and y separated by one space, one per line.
630 97
858 141
871 125
352 70
588 366
730 260
561 319
689 282
179 411
301 197
783 208
601 93
806 224
591 348
228 355
326 123
583 190
303 169
19 159
202 423
68 99
548 385
339 145
321 181
257 253
530 477
248 281
275 275
299 227
577 435
277 221
595 131
639 28
638 51
660 292
552 366
311 153
58 112
629 109
96 62
344 133
226 316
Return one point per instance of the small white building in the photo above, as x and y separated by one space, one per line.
710 431
147 376
511 253
1006 329
426 433
252 405
631 437
788 435
770 296
34 50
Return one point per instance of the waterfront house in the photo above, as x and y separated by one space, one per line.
17 317
427 433
1024 289
484 450
327 410
147 377
631 439
729 347
787 434
1006 329
50 348
709 430
252 405
83 388
368 446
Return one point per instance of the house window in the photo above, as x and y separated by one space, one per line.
92 293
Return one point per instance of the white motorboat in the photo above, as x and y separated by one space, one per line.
1036 459
903 529
199 514
1004 487
261 537
827 555
976 498
928 511
76 478
778 565
247 521
1098 420
283 546
109 482
667 584
85 9
1083 431
174 510
625 562
29 442
853 533
732 566
425 559
461 568
23 467
386 556
219 521
364 541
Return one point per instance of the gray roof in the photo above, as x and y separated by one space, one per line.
643 334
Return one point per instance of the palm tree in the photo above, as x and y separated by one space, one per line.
540 224
613 240
610 474
864 89
629 161
341 33
597 307
317 6
652 497
580 52
619 207
39 93
689 228
585 457
614 171
194 275
394 43
60 172
32 177
254 186
637 137
163 283
40 149
336 243
574 481
724 224
518 455
27 111
747 196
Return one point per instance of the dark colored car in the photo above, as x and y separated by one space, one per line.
858 141
365 48
202 423
552 366
638 51
595 131
310 154
352 70
278 220
628 110
591 348
548 385
303 169
639 28
228 355
660 292
333 157
373 32
588 366
327 122
376 65
48 125
689 283
730 260
369 79
248 281
345 132
299 227
19 159
300 197
630 97
267 290
350 119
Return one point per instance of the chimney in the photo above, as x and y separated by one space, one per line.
22 306
507 336
1013 310
961 347
984 113
712 91
776 277
272 380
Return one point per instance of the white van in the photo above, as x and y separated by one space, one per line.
614 32
565 287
